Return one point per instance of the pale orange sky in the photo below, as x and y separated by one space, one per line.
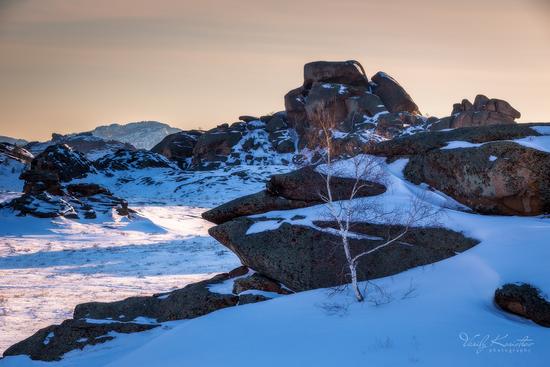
70 65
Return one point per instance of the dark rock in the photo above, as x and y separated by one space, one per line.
342 72
257 282
295 106
247 118
524 300
285 146
215 146
306 184
423 142
192 301
252 298
179 146
368 104
261 202
86 190
275 123
393 95
495 178
326 104
61 160
305 258
483 112
393 124
52 342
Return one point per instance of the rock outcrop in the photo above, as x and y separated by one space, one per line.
494 178
339 95
297 189
92 322
393 95
303 257
482 112
524 300
56 164
52 342
179 147
47 193
422 142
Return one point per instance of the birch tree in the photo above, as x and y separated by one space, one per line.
344 213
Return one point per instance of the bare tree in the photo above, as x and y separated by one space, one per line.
347 211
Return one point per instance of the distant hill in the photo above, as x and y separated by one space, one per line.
142 135
15 141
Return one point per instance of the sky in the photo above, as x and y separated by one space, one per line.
71 65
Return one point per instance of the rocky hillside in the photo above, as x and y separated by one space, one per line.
478 171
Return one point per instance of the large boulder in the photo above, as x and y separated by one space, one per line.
494 178
392 94
423 142
261 202
326 104
192 301
56 164
52 342
342 72
297 189
179 146
303 257
74 201
96 322
295 107
524 300
306 184
483 112
215 145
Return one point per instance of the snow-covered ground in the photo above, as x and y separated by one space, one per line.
49 266
440 314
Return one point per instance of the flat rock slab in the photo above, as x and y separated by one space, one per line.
305 258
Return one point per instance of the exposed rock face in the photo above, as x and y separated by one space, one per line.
194 300
524 300
46 197
306 184
77 201
305 258
58 163
423 142
296 189
339 95
482 112
342 72
393 95
123 160
52 342
261 202
215 145
258 282
393 124
495 178
179 146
